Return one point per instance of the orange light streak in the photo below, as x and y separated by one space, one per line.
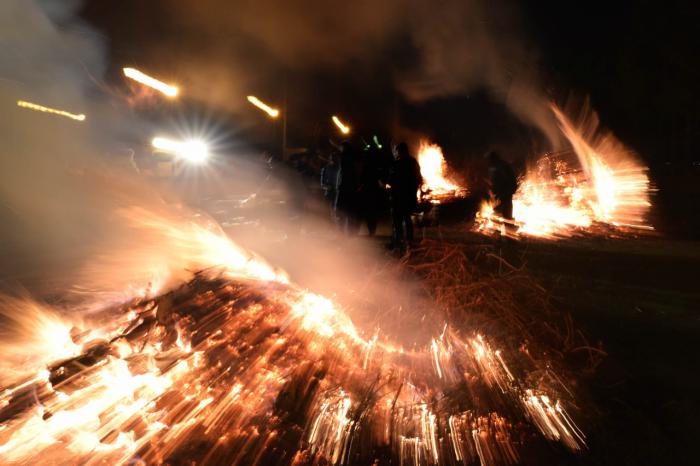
153 83
41 108
345 129
272 112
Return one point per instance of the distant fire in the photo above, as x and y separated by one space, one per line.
237 366
601 185
433 168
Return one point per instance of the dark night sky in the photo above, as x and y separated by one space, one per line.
637 61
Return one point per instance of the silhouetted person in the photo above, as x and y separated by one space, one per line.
503 183
371 189
347 189
405 180
329 181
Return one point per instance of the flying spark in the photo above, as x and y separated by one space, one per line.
138 76
41 108
341 126
273 112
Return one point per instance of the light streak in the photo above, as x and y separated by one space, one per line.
272 112
341 126
142 78
54 111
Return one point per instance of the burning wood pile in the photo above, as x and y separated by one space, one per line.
225 369
597 187
437 186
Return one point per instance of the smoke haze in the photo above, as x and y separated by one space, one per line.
73 218
61 197
441 49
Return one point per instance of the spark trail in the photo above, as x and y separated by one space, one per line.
238 366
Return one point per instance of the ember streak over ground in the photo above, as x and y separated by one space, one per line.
236 363
248 372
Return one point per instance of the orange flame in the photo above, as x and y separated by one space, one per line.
433 170
555 199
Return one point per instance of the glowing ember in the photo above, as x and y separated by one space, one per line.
272 112
153 83
345 129
558 199
41 108
236 366
432 168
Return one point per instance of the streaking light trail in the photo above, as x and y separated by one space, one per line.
41 108
191 150
138 76
273 112
341 126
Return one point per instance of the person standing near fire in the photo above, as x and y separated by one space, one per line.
404 181
347 190
503 184
329 180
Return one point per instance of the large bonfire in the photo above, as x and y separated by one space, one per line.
596 185
236 365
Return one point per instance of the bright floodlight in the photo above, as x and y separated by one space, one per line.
191 150
195 151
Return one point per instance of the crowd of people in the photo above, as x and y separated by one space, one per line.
360 185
